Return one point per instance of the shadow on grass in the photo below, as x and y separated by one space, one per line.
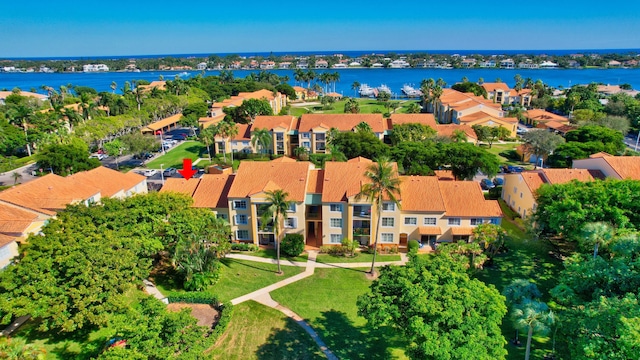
291 342
76 345
228 262
348 341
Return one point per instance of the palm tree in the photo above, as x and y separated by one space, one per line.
518 292
352 106
336 78
355 86
87 104
534 316
363 127
208 137
227 130
301 152
597 233
384 185
276 210
20 115
263 138
16 176
114 86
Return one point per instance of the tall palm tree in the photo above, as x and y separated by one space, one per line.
336 78
597 233
208 137
16 176
355 86
518 292
20 115
276 210
363 127
535 317
227 130
114 86
384 185
262 138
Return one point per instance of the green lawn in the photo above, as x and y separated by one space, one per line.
527 259
237 278
360 257
259 332
173 158
367 106
271 254
327 300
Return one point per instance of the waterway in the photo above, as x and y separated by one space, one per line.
393 78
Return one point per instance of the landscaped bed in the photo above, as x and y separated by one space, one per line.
206 314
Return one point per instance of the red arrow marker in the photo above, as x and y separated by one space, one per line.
187 170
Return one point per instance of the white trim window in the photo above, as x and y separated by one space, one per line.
477 221
411 221
292 207
430 221
240 219
335 207
222 216
386 238
453 221
496 221
388 206
336 222
240 204
335 239
291 223
388 222
242 234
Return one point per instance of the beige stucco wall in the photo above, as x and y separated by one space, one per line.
596 164
516 193
7 253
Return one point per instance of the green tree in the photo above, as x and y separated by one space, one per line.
16 176
226 130
18 349
138 143
469 87
65 159
384 184
436 299
115 148
467 159
275 211
541 143
363 127
263 138
355 86
490 237
246 113
411 132
535 317
287 90
596 234
517 293
352 106
354 144
208 138
413 108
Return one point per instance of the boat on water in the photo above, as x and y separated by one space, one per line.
366 90
410 91
384 88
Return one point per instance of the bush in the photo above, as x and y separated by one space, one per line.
511 155
193 297
349 246
292 245
413 245
244 247
226 313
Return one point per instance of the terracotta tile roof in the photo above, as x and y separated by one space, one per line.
535 178
599 155
460 101
334 95
244 133
490 87
543 115
180 185
6 239
461 231
444 174
264 93
448 129
316 179
284 159
424 119
343 179
465 198
4 94
107 180
162 123
15 220
429 230
342 122
299 89
205 122
212 191
421 193
628 167
271 122
48 194
253 177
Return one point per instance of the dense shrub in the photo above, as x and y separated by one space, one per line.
413 245
244 247
292 245
193 297
349 246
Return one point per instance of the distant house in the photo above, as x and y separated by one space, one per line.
284 65
322 64
4 94
468 63
201 66
614 63
507 64
94 67
548 65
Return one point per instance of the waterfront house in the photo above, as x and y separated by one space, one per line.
507 64
313 129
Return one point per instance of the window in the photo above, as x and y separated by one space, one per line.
410 221
306 144
320 137
291 223
521 195
386 238
430 221
245 143
242 234
241 219
292 207
336 207
336 223
495 221
335 239
454 221
388 221
240 204
476 221
388 206
515 190
305 135
221 216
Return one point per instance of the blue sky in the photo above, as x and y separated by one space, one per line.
37 28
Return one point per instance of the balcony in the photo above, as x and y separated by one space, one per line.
360 211
268 228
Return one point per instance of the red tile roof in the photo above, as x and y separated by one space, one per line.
342 122
107 180
212 191
272 122
465 198
14 220
253 177
421 193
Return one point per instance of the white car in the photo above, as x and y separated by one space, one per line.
150 172
98 156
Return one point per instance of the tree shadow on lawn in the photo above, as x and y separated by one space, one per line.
348 341
228 263
76 345
291 342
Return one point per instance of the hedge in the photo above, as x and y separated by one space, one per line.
193 297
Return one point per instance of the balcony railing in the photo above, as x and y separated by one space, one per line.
362 211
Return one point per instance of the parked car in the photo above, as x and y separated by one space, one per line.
498 181
486 184
515 169
98 156
150 172
169 172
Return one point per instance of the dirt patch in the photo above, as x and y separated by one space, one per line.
207 315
